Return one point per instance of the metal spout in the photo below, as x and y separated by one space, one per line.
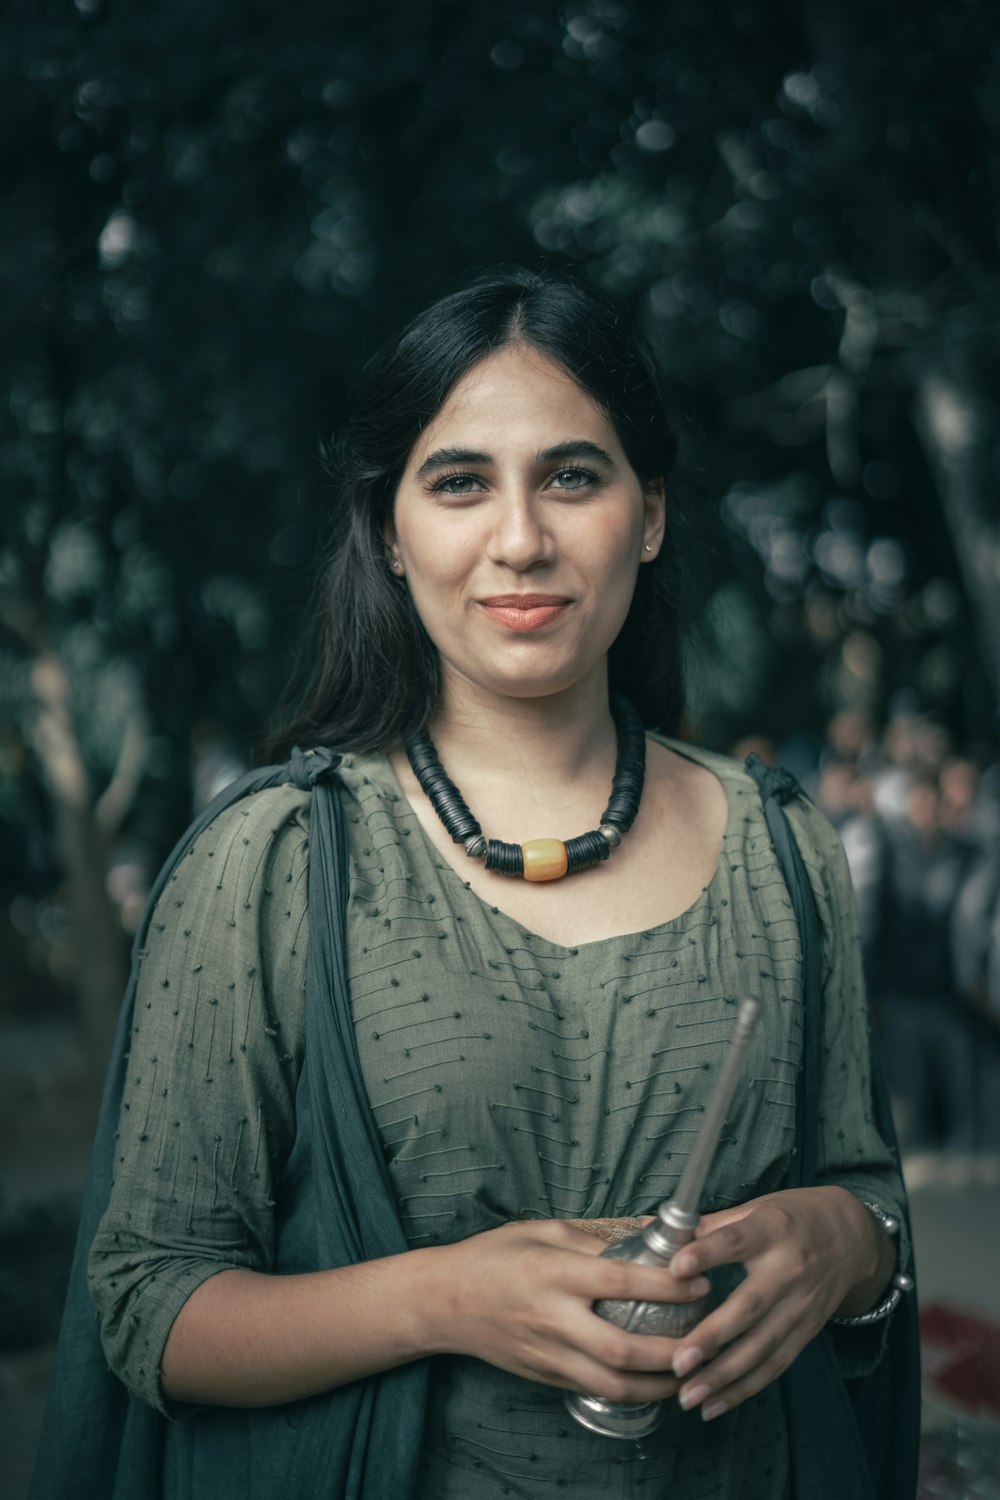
687 1198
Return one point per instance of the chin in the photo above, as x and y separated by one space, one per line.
530 669
526 684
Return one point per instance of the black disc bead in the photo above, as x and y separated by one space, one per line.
506 859
630 766
441 791
588 849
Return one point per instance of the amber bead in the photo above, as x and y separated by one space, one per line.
544 859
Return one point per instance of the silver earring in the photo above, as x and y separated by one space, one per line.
647 547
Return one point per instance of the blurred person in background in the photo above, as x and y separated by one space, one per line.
850 735
969 805
845 793
912 744
836 792
755 744
909 885
973 813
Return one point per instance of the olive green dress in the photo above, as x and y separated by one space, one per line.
510 1077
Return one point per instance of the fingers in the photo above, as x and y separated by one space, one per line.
578 1350
598 1277
753 1336
797 1257
712 1221
733 1242
618 1281
523 1297
633 1353
746 1310
770 1289
742 1346
745 1368
607 1361
593 1379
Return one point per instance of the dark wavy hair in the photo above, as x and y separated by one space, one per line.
369 672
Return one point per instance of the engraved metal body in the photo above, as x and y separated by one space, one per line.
672 1227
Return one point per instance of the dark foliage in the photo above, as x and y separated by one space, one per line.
215 212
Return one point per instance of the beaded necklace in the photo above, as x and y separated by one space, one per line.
541 859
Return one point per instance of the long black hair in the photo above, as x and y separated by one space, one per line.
371 672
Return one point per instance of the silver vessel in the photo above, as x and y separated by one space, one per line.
672 1227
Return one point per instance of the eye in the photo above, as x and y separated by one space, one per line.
575 479
455 484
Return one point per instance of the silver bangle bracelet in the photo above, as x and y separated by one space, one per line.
899 1284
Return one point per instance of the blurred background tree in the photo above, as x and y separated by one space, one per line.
215 211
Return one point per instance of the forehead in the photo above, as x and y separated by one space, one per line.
517 396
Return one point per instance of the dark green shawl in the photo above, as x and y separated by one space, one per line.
360 1442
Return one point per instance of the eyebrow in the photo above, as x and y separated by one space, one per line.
576 448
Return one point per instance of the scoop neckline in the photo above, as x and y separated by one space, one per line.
525 933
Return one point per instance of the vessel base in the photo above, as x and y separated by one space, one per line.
630 1420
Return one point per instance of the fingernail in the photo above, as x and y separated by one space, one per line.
683 1265
686 1360
713 1409
691 1395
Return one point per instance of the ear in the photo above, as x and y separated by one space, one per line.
392 546
654 502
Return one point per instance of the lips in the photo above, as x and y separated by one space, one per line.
524 612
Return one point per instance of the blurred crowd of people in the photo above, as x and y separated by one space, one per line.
920 823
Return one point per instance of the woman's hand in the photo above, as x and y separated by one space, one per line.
521 1297
809 1253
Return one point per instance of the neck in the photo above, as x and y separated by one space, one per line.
562 737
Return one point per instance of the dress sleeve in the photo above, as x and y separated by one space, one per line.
207 1118
851 1153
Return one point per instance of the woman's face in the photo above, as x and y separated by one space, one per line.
519 526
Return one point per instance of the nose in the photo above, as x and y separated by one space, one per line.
519 538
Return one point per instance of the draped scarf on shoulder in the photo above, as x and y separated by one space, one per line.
358 1442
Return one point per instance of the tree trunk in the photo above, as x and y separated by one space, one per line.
82 848
954 427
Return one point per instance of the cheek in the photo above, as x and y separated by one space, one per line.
439 561
437 558
615 552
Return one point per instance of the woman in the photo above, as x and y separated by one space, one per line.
534 1051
